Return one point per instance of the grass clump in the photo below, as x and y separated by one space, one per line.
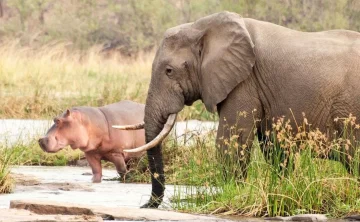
32 155
292 178
7 156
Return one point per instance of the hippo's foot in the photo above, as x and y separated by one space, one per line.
153 203
96 178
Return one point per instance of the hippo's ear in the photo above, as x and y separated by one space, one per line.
68 113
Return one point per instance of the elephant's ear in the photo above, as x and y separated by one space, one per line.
227 55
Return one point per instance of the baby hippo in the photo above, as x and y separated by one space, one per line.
90 129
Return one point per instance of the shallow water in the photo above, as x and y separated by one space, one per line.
13 131
54 185
73 184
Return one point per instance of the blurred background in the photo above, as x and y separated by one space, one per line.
55 54
131 26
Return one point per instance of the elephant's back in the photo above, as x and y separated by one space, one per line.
317 73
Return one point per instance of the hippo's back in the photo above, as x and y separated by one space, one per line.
124 112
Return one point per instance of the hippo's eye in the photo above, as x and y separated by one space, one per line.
57 121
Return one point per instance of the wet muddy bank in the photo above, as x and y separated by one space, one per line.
65 187
73 184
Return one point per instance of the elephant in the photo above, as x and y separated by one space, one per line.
235 64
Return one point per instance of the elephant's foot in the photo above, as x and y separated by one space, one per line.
153 203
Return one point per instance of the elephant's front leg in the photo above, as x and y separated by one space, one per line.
238 121
234 144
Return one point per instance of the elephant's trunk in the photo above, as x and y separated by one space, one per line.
159 138
154 124
160 115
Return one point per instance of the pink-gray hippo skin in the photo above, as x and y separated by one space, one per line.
90 129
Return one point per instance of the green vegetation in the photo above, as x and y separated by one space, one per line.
6 182
309 184
32 155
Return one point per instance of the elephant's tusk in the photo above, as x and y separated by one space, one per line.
164 132
130 127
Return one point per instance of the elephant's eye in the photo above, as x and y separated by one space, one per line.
168 71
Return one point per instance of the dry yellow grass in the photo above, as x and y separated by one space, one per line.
42 82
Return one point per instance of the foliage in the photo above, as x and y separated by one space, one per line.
6 182
130 26
32 155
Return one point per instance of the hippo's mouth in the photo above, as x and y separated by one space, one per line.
55 149
72 146
51 145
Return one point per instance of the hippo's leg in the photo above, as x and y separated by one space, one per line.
119 162
95 164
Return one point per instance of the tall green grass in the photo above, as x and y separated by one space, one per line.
32 155
296 178
7 156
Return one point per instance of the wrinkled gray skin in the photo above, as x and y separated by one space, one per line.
239 64
90 130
